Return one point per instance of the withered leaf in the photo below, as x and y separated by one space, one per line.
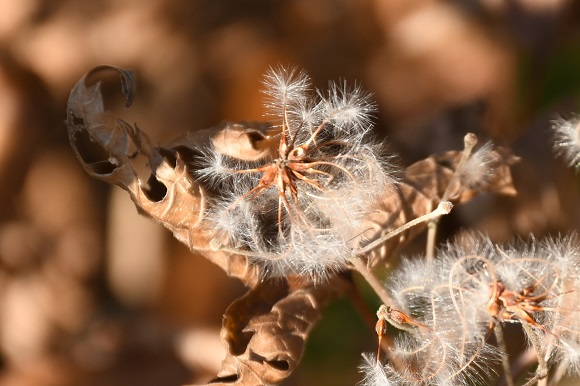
108 148
265 330
432 175
420 191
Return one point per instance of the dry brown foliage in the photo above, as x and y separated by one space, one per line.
265 330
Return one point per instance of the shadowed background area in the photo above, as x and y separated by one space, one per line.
91 293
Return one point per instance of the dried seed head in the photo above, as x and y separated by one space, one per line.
471 287
448 296
295 211
567 140
565 351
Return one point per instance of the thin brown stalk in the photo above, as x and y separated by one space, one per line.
542 369
372 280
469 141
431 236
504 359
443 208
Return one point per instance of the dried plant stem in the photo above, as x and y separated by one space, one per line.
542 369
504 359
443 208
469 141
358 302
519 365
431 236
385 343
372 280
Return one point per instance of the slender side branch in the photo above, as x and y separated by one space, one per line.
431 236
443 208
370 278
469 142
385 298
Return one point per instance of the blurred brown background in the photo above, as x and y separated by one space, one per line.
93 294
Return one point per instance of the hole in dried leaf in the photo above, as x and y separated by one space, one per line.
89 150
169 156
155 191
280 365
77 121
103 167
229 379
239 343
447 163
92 153
188 155
254 137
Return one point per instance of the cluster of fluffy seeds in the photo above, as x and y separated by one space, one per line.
459 298
296 210
567 140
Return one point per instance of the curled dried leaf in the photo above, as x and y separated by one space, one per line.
102 142
265 330
108 148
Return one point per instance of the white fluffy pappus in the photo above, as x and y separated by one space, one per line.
297 210
375 374
474 284
532 282
564 321
566 134
449 297
479 167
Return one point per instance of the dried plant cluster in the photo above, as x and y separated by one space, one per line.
291 206
296 209
473 288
